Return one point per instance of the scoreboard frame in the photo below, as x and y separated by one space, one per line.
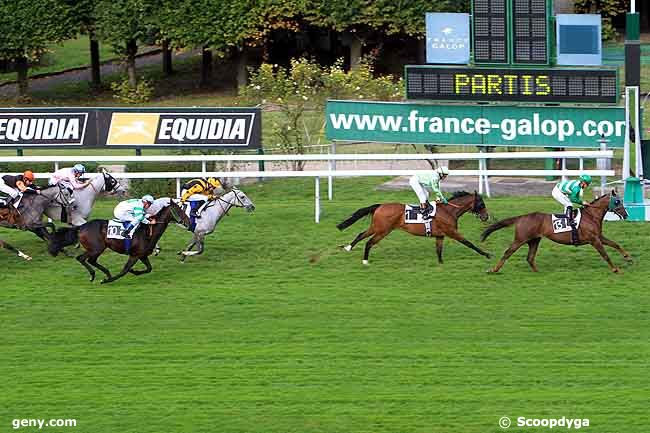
530 84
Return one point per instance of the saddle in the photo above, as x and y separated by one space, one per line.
413 215
561 224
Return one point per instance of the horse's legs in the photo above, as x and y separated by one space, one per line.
373 241
596 243
125 270
93 261
147 263
516 244
460 238
439 243
19 253
617 247
361 236
81 258
533 244
197 239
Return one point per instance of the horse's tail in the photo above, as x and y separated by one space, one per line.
357 216
498 226
61 239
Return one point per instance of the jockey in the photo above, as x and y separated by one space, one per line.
133 212
569 194
432 180
69 177
200 190
16 186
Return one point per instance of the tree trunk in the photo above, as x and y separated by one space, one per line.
422 51
242 71
131 51
166 58
23 83
356 48
95 77
206 67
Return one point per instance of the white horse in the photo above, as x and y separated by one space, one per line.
210 217
85 198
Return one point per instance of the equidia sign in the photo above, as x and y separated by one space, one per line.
159 127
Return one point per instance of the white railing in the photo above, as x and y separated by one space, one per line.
482 172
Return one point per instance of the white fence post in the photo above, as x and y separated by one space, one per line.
178 187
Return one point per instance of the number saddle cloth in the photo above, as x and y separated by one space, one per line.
114 229
561 222
413 215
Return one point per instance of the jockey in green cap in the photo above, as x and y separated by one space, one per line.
569 194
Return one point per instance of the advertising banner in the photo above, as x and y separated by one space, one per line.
134 128
489 125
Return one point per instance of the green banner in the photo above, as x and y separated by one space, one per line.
480 125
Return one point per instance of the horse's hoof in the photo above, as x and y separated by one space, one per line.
492 271
92 278
365 262
104 281
347 248
628 259
488 255
617 271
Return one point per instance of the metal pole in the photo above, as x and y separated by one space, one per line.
178 187
486 178
563 168
626 146
317 204
637 134
480 175
203 166
56 166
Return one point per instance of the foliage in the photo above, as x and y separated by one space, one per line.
607 8
140 94
306 85
122 21
28 26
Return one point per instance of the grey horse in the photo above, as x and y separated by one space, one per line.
211 216
32 208
85 198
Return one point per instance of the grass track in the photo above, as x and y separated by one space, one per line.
252 337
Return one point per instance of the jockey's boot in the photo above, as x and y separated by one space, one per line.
572 223
426 209
126 231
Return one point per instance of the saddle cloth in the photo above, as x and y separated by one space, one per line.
114 229
412 215
561 222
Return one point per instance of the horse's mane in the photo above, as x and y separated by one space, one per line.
599 198
459 194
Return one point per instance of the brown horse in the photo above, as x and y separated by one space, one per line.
92 237
390 216
530 228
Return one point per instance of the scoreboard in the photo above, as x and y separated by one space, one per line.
511 31
512 84
490 24
530 30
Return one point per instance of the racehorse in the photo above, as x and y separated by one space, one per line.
530 228
390 216
210 217
84 199
32 207
92 237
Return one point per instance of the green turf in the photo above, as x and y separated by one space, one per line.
276 330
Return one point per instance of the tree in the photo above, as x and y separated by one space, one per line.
358 20
215 26
122 23
84 14
607 8
28 26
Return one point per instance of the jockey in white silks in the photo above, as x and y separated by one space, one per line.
419 181
133 212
